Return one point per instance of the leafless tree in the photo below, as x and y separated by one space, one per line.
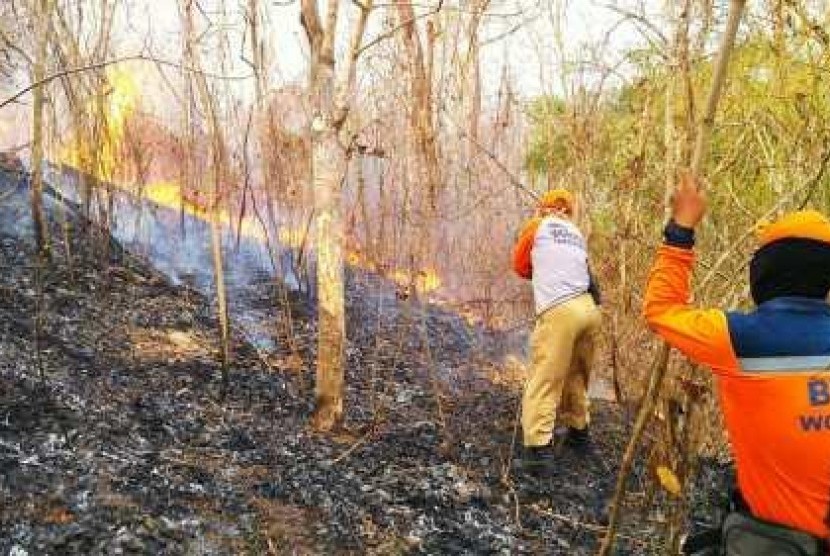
42 11
331 103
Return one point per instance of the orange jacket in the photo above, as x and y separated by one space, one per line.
772 368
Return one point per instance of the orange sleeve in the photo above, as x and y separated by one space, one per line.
701 334
522 263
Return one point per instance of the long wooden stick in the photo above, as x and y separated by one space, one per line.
658 368
704 128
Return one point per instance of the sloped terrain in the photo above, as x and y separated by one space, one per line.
114 436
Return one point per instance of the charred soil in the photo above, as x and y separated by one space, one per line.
114 436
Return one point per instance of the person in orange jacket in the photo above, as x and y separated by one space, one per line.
772 369
552 252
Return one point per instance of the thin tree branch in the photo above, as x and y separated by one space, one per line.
136 57
390 33
453 9
506 171
343 104
9 44
816 179
704 129
640 19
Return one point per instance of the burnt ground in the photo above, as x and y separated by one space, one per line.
114 438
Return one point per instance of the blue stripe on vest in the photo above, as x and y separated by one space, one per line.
781 328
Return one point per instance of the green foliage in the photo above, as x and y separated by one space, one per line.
769 144
548 141
769 138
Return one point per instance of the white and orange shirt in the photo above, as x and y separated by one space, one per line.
553 252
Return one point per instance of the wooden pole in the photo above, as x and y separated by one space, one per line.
704 128
658 368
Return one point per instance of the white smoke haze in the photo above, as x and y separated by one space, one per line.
460 258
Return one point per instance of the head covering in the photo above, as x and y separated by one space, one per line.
807 224
556 197
794 258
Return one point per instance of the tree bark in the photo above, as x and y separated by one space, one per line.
42 9
218 161
328 166
421 120
328 170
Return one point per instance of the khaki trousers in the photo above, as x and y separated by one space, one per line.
562 354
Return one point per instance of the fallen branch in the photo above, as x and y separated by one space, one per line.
359 442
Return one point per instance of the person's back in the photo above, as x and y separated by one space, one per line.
552 252
776 402
560 256
772 364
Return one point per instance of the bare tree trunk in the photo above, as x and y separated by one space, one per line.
104 158
328 170
104 152
218 266
187 182
256 49
368 238
218 160
420 69
42 11
473 67
328 163
66 38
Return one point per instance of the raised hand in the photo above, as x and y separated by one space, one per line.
688 202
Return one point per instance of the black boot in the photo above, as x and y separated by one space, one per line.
539 460
578 439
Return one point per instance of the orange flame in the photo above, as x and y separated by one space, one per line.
121 100
169 194
101 159
424 281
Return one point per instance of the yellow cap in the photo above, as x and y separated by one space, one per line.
803 224
555 197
